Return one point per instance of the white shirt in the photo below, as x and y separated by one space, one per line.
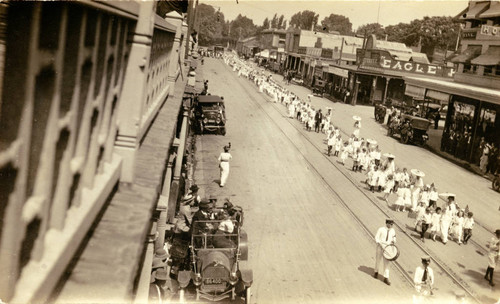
468 223
385 236
419 273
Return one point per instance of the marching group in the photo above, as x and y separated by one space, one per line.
382 174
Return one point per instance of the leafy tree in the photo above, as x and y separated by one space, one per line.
209 26
371 28
304 20
337 23
242 27
284 25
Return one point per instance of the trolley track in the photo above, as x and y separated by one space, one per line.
442 265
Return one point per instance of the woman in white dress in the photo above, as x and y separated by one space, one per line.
224 159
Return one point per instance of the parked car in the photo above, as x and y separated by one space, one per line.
410 129
219 266
210 114
297 79
319 88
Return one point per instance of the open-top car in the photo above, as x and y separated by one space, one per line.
410 129
297 79
219 266
210 114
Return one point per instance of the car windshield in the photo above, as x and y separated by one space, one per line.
213 234
210 106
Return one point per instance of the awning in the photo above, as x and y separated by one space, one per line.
438 95
472 51
415 92
492 12
491 57
337 71
476 10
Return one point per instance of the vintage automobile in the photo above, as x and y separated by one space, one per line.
219 266
319 88
410 129
380 111
297 79
210 114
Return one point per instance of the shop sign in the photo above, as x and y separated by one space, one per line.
469 34
417 68
490 30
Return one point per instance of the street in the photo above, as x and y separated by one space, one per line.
311 221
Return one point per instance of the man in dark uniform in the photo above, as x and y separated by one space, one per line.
317 120
199 225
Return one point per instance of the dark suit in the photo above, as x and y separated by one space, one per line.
317 119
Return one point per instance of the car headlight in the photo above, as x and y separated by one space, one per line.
205 120
197 279
233 278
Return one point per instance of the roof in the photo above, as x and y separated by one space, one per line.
470 52
490 57
475 9
273 30
419 57
209 99
248 39
492 12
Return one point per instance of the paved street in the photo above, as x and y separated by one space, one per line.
311 222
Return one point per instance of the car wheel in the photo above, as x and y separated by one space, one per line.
496 184
405 138
248 295
223 131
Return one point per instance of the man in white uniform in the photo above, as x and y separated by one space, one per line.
385 236
449 211
424 275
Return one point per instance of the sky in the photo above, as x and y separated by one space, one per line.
359 12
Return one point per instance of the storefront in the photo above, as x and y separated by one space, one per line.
472 115
337 81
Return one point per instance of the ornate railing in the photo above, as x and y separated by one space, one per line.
63 69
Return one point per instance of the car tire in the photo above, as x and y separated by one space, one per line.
496 184
223 131
405 138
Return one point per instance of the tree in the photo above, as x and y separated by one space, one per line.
304 20
281 25
274 21
209 26
242 27
337 23
371 28
266 23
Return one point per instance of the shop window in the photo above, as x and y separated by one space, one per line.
497 70
469 68
488 70
487 122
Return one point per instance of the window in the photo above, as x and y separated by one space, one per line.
497 70
467 67
488 70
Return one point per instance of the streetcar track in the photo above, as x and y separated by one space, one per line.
454 277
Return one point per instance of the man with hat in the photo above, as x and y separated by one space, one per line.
385 236
424 275
203 214
493 254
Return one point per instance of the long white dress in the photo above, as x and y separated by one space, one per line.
224 159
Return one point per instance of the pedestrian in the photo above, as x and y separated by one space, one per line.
317 121
331 142
493 253
433 196
449 211
389 187
385 236
338 146
399 204
424 276
224 159
435 223
458 226
468 225
425 221
345 152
